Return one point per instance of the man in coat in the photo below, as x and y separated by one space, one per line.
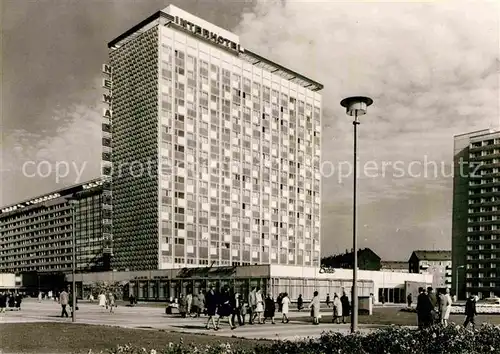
346 307
470 311
424 309
435 305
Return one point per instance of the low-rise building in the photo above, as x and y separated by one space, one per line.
395 266
367 260
437 263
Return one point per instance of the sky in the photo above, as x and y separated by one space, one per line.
431 67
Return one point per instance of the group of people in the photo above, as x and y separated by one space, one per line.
107 300
341 307
231 305
10 300
435 309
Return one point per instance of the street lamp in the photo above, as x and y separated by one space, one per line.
73 202
456 280
355 106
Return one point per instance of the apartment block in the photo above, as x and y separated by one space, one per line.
37 234
476 214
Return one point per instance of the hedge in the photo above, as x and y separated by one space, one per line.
436 340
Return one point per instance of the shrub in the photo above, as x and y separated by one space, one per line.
392 339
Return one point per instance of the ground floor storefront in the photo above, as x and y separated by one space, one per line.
165 285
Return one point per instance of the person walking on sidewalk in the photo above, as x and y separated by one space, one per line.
337 309
286 308
314 306
63 301
470 311
300 303
269 309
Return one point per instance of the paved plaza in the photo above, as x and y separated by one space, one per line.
154 318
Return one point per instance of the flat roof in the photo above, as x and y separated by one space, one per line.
478 132
96 182
247 55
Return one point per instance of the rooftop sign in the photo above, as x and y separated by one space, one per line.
207 34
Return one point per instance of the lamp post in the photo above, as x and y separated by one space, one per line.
355 106
73 202
456 280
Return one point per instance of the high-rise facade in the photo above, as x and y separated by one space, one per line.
37 234
476 214
213 151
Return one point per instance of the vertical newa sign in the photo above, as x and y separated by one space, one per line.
107 84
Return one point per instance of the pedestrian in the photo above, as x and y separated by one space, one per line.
346 307
224 308
111 302
259 308
285 309
424 309
337 309
237 306
409 300
3 302
189 302
435 305
470 311
182 306
446 303
63 301
201 301
314 306
300 303
269 309
40 296
19 300
211 305
328 300
12 301
195 306
252 304
102 300
279 301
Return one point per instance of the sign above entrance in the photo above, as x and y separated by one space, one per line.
326 270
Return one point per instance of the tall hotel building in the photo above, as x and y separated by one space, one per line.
211 151
476 214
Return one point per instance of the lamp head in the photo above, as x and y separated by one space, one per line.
356 105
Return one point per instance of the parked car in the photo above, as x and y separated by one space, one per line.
490 301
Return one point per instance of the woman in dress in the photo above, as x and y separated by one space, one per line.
314 306
270 309
337 309
285 302
259 309
446 307
102 300
225 308
211 301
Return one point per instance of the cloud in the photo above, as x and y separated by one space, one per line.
30 160
432 70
